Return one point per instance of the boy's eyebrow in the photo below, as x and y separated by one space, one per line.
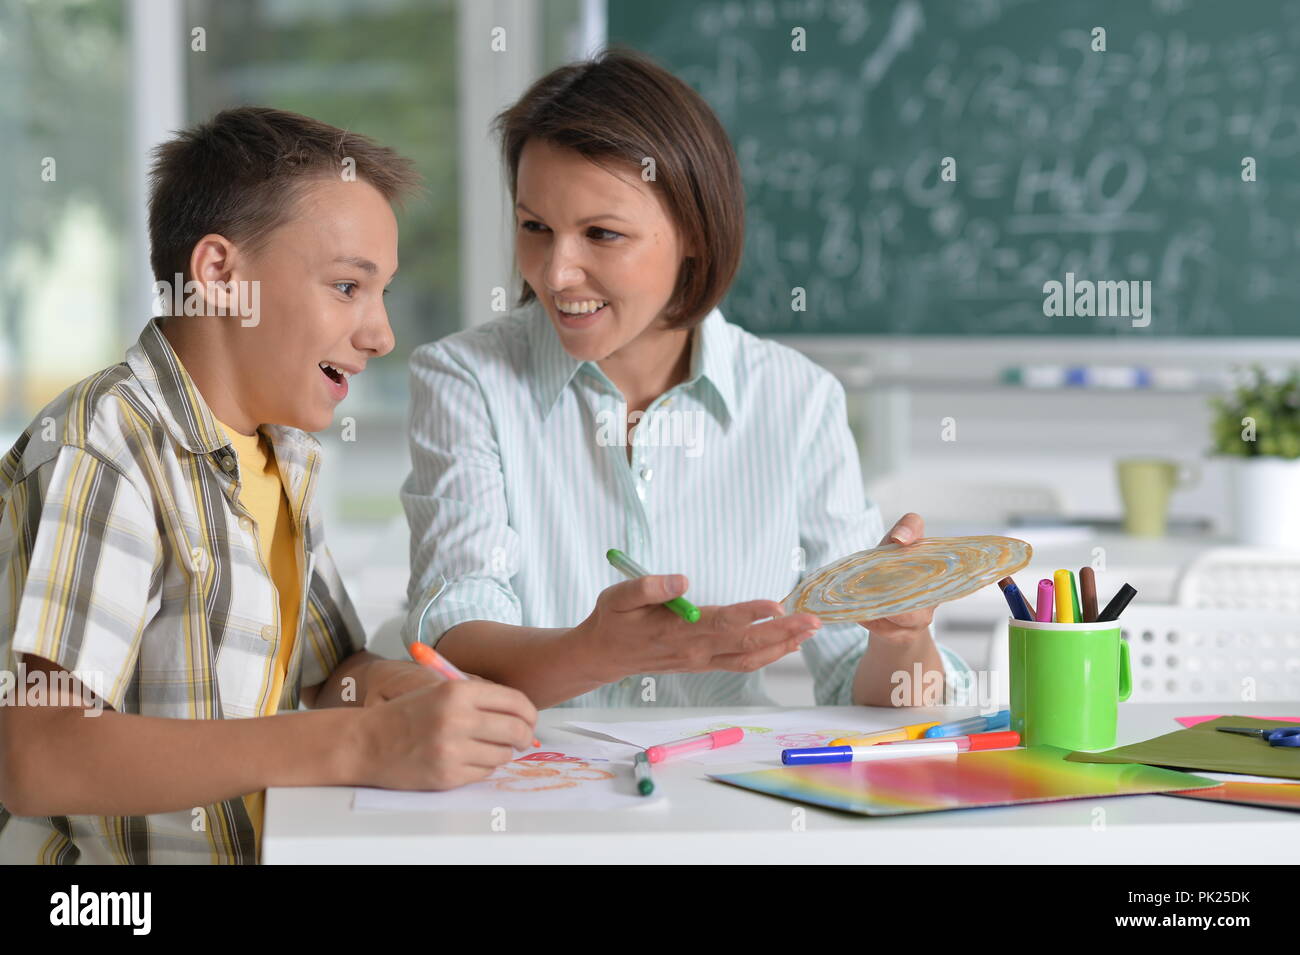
603 215
364 264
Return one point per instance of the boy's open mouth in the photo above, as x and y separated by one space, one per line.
336 375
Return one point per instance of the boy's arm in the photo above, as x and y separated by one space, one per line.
56 760
333 632
59 759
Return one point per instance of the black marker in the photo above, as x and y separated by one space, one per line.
1117 604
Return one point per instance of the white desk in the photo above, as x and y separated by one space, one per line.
706 821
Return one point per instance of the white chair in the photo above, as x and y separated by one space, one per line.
1240 578
1187 654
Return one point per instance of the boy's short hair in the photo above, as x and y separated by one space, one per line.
238 175
623 106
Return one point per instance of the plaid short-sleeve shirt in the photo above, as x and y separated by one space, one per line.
126 559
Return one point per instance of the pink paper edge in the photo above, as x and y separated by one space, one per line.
1193 720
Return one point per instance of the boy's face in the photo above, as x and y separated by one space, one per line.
322 276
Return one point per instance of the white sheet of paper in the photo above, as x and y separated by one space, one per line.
586 774
1240 777
766 734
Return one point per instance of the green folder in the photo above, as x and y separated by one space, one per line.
1202 747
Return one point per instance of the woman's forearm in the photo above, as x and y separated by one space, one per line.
549 666
889 675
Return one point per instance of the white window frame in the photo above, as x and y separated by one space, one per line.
158 43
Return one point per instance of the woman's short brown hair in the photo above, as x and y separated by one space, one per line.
622 106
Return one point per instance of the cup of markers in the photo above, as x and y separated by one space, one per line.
1069 664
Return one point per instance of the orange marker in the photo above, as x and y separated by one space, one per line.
426 656
914 731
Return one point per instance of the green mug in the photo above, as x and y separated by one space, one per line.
1067 680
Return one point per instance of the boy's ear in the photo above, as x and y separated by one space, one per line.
212 262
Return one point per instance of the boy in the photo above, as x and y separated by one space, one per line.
164 583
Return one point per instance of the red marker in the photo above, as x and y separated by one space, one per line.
657 754
426 656
1002 739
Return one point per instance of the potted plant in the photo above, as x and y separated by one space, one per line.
1257 426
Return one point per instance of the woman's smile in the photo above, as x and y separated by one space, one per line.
580 313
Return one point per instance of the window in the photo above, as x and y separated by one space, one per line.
385 68
65 211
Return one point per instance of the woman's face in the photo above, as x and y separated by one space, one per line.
596 246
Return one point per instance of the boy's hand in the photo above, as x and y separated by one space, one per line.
444 735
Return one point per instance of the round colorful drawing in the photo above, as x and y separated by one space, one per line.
894 579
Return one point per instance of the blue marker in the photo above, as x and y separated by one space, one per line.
976 724
1015 599
819 754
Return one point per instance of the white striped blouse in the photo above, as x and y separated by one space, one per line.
742 478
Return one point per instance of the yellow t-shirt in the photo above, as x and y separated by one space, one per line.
262 495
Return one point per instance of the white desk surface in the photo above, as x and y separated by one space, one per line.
703 821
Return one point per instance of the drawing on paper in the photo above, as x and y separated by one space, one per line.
714 727
539 772
811 738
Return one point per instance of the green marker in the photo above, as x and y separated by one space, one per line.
645 783
631 569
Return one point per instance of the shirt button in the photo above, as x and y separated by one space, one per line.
227 463
640 492
245 525
627 682
647 473
268 633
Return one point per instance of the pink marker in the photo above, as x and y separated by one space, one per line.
657 754
1046 601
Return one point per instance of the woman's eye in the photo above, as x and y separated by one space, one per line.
347 288
530 225
604 235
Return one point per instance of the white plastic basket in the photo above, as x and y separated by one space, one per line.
1188 654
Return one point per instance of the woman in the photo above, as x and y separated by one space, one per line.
620 409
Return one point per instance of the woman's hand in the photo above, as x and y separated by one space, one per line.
387 679
630 631
902 628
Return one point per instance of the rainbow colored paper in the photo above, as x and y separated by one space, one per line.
961 781
1269 795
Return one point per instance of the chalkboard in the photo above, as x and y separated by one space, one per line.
1128 164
